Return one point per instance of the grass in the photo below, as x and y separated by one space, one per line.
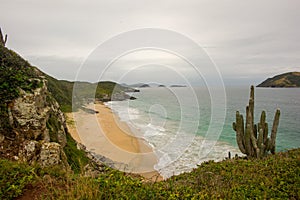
14 178
61 91
274 177
76 158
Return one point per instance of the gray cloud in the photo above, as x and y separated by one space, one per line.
63 68
248 40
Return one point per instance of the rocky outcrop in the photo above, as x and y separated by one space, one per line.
98 163
37 128
50 154
286 80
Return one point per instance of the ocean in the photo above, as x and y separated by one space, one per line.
186 127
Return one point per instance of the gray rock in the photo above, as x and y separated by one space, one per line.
91 171
29 152
38 128
99 162
30 112
50 154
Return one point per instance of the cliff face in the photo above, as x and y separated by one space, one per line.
291 79
37 129
32 127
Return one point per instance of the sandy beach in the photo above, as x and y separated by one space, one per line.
102 132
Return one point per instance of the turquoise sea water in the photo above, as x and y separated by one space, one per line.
177 122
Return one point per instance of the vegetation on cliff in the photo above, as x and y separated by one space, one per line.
290 79
15 73
26 123
273 177
62 91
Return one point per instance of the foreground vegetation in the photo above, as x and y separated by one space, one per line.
276 176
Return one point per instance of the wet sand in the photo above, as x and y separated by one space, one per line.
102 132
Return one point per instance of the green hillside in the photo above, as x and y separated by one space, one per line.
273 177
62 91
290 79
15 72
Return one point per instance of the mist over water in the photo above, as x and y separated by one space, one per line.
175 122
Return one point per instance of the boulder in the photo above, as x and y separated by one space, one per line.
29 152
50 154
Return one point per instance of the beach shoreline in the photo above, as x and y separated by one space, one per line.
102 132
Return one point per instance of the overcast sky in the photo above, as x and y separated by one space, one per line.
248 40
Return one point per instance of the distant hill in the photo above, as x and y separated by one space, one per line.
144 85
290 79
136 85
151 85
178 86
62 91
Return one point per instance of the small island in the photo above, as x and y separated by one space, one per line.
177 85
286 80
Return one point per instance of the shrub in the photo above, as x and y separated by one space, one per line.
14 178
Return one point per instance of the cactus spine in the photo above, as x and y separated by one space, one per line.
253 140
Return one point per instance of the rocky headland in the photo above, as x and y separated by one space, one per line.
286 80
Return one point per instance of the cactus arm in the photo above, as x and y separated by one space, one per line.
243 129
253 139
238 127
5 40
248 140
274 130
266 132
260 138
260 143
254 144
234 126
251 104
255 131
1 38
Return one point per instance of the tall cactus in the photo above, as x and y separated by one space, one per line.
3 40
253 140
